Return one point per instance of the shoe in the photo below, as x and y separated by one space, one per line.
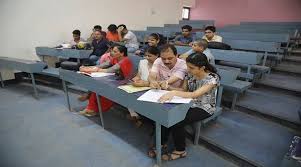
86 111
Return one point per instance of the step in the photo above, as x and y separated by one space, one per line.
288 67
260 142
282 81
44 133
291 58
117 124
54 72
275 104
36 135
296 51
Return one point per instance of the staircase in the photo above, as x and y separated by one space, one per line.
259 131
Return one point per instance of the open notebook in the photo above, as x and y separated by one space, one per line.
154 95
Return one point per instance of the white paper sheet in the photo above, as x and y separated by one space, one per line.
96 74
154 95
100 74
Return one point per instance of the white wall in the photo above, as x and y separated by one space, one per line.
188 3
26 24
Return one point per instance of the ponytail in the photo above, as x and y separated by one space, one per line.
159 37
200 60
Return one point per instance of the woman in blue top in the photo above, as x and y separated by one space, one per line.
200 84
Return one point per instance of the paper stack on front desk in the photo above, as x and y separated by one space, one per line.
154 95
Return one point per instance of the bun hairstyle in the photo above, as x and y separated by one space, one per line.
200 60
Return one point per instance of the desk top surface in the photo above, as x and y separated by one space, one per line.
165 114
68 53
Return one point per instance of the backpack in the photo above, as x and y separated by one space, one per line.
219 45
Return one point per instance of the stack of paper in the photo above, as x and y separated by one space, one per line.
154 96
132 89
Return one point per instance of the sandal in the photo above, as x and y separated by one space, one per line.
88 113
91 114
174 155
83 112
152 152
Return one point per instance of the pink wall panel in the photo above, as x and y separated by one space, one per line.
233 11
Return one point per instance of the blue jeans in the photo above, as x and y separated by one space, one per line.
95 59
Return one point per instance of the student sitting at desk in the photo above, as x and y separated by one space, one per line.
168 69
99 45
76 38
96 28
112 34
121 65
200 46
186 37
141 79
104 58
128 37
201 85
154 40
210 35
73 44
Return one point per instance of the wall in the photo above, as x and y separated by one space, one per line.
26 24
188 3
233 11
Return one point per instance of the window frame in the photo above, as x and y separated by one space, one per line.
186 8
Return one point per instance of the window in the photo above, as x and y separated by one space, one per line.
186 13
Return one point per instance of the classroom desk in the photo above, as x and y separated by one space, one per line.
162 114
29 66
63 53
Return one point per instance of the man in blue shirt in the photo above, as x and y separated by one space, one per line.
100 46
186 37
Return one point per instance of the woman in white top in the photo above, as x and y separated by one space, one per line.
141 79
